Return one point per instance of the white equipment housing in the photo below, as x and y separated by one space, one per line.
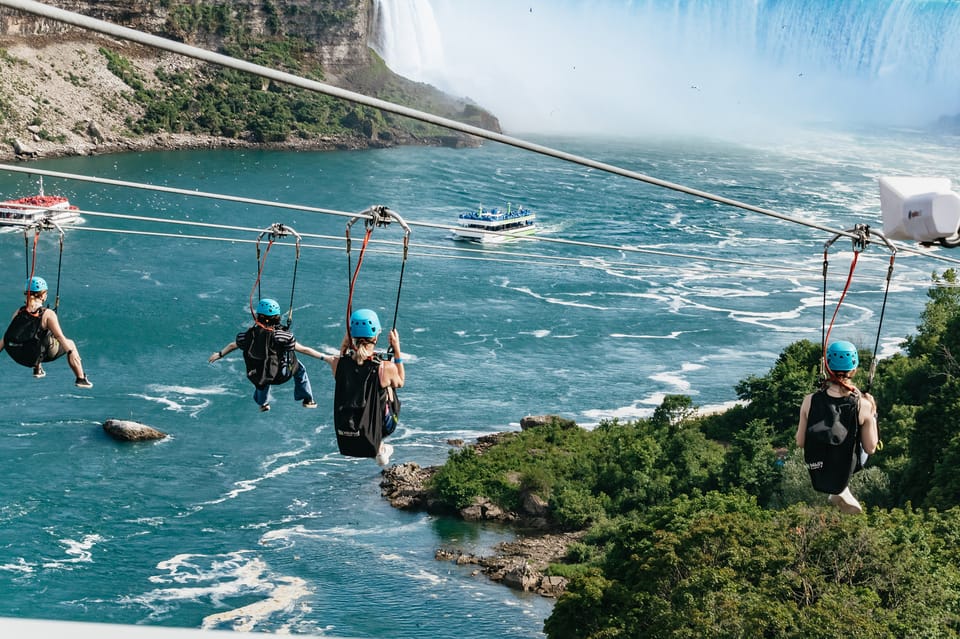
925 210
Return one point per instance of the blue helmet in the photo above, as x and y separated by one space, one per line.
268 307
842 356
35 285
364 323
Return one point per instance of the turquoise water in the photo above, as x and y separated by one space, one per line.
253 521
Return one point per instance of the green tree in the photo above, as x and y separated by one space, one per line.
718 565
776 396
751 463
932 477
943 304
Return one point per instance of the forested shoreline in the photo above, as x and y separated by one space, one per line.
707 525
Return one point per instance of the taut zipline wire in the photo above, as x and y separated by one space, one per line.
450 252
197 53
313 209
157 42
545 258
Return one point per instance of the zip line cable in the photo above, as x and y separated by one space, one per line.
686 256
197 53
157 42
312 209
483 255
169 189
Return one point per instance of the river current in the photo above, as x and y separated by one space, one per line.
250 520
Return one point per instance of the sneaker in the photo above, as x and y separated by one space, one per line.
38 371
383 457
846 502
309 403
265 408
82 382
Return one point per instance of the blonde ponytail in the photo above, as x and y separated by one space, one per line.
362 351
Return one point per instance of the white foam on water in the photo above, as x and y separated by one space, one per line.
286 520
21 566
536 333
674 379
631 412
673 335
282 599
640 409
286 537
149 521
246 485
429 577
555 300
438 434
78 551
9 512
189 390
889 346
213 579
182 399
714 409
275 457
767 320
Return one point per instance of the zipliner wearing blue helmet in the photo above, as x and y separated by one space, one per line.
34 335
366 408
269 353
837 429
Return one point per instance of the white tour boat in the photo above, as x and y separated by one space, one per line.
492 226
26 211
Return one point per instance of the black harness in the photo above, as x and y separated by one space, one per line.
832 445
363 411
27 342
269 356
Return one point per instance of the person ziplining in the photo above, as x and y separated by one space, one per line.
34 336
269 353
366 408
837 428
269 348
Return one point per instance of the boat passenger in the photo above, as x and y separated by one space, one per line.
34 335
838 428
269 352
365 404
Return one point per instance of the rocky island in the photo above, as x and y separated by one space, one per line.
521 564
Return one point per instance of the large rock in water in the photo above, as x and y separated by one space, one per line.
128 431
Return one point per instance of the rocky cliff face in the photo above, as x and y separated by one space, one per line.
61 93
338 27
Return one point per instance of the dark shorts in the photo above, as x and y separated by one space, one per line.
53 349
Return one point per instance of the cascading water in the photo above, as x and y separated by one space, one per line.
744 65
407 37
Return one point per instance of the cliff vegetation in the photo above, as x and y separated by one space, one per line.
64 90
706 525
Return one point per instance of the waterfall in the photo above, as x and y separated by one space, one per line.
657 65
407 37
